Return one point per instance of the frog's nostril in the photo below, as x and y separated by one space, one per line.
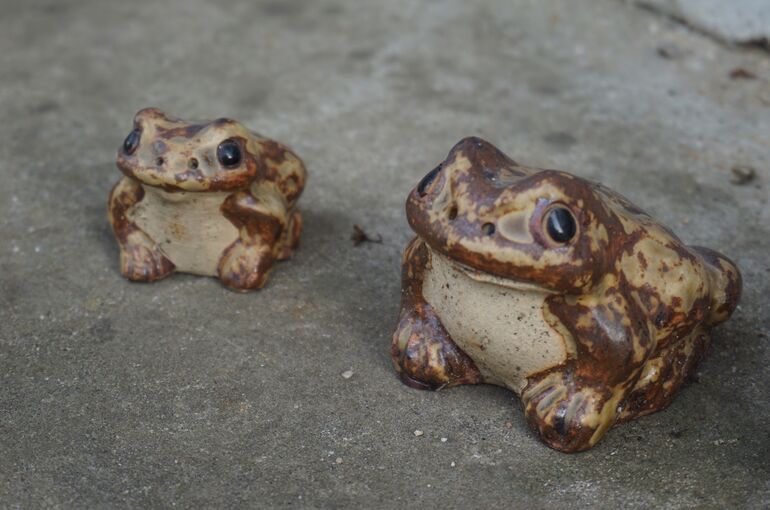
488 229
193 163
452 212
159 161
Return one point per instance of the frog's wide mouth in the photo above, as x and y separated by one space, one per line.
152 177
192 180
485 277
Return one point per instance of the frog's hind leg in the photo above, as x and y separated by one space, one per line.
664 374
725 282
674 363
140 257
290 236
423 353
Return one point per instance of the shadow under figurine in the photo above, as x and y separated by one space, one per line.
556 288
212 199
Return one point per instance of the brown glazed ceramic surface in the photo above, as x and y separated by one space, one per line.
180 206
591 325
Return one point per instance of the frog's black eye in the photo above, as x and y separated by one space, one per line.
132 141
229 153
427 180
560 224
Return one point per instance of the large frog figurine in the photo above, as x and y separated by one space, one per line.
209 198
556 288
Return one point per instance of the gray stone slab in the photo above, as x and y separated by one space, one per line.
737 21
181 393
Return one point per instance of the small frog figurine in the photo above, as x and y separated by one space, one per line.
209 198
556 288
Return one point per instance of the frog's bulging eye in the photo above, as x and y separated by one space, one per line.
560 224
427 181
229 153
132 141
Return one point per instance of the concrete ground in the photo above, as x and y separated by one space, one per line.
181 393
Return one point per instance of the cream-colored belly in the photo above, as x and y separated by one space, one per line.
500 327
189 227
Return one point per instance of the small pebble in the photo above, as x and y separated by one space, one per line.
347 374
338 460
452 464
670 51
418 433
443 440
743 175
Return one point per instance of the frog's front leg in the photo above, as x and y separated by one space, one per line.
568 413
572 405
290 238
423 353
246 263
140 257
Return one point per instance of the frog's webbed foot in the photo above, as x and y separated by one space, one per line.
425 356
290 236
245 265
568 416
140 257
423 353
141 260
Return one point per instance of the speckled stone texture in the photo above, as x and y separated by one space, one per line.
181 393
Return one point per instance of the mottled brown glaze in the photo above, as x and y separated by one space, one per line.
422 348
590 331
178 208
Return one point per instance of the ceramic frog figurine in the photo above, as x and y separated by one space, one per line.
208 198
556 288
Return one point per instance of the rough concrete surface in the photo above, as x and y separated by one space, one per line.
181 393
